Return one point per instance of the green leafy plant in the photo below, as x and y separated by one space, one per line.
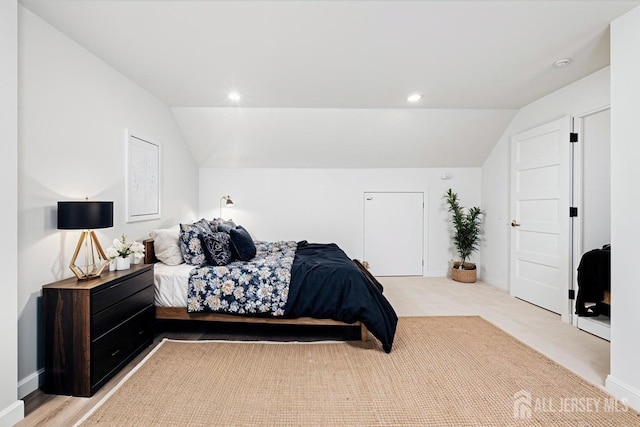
467 227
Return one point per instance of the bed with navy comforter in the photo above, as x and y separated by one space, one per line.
326 284
219 273
294 280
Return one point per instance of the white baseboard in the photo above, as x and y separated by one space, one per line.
494 282
486 279
623 391
12 414
435 274
30 383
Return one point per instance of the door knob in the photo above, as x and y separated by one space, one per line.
515 224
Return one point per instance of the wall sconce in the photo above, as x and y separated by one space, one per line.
86 216
228 203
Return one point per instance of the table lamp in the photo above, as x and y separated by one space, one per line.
86 216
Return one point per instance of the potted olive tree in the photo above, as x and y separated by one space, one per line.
466 237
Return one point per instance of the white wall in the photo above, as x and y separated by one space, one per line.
583 96
326 205
11 409
624 380
73 113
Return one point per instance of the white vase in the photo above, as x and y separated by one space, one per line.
112 264
123 263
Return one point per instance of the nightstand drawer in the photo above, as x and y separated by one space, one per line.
118 291
108 319
110 350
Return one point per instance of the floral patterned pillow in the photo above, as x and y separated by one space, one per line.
214 224
217 248
191 242
203 225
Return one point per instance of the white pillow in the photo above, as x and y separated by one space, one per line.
166 246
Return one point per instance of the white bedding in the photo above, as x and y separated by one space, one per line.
171 284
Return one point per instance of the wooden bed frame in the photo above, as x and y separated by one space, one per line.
181 313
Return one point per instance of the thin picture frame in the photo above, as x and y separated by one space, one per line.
142 183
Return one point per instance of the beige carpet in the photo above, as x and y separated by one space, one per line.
443 371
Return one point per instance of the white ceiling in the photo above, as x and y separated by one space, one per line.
480 59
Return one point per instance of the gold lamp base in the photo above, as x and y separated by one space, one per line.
90 270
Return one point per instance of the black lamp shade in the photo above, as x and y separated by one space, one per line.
84 215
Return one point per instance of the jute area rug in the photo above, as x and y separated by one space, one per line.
443 371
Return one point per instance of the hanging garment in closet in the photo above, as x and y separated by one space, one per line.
594 278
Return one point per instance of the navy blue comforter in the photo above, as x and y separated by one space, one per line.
326 284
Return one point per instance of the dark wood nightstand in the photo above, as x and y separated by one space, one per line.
94 328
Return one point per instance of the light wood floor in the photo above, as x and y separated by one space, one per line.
580 352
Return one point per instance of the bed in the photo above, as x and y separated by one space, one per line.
326 288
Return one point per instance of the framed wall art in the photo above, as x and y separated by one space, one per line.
142 178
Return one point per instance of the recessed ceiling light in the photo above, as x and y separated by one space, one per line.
414 97
234 96
562 62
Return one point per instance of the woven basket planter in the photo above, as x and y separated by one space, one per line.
466 275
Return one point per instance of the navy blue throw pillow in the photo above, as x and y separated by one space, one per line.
217 248
242 244
225 225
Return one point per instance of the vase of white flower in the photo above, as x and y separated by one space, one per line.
123 263
122 252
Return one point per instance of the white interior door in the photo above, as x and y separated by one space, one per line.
540 201
393 233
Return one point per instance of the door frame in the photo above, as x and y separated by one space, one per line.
577 185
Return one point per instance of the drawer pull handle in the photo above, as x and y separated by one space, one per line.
115 352
141 332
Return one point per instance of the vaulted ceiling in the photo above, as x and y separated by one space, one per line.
324 83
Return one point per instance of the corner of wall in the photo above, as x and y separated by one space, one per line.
494 281
625 393
12 414
624 379
11 410
30 383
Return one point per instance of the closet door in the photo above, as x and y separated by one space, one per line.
393 233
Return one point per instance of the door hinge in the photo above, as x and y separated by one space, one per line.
573 137
573 212
572 294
